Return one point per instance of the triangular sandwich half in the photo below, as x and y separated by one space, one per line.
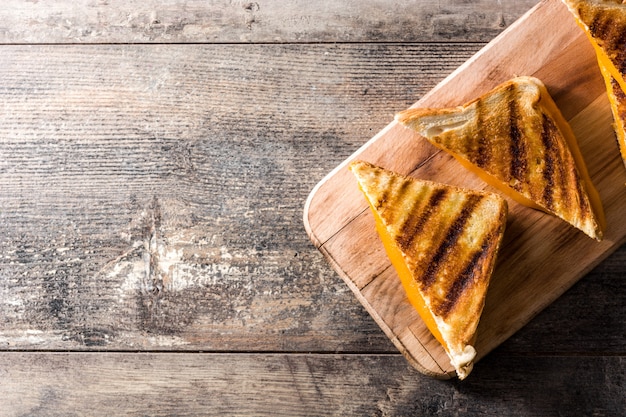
442 241
604 23
515 138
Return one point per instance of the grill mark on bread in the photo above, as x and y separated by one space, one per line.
619 94
483 154
547 139
599 24
393 193
516 147
568 184
609 34
413 226
585 206
385 191
452 235
615 37
619 40
464 280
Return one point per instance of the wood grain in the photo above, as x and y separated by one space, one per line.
237 21
62 384
591 315
152 195
155 160
536 259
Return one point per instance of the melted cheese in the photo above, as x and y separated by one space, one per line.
494 182
604 60
406 278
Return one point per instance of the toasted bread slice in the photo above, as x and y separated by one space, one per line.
442 241
617 98
604 22
515 138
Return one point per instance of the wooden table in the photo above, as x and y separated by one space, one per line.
155 161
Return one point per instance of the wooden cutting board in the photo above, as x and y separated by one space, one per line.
541 256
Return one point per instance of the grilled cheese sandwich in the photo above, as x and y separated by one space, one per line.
515 138
604 23
442 241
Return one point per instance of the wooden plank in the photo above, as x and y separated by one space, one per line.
61 384
151 195
535 263
235 21
587 319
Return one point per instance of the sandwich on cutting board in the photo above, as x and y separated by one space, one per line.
604 22
442 241
515 138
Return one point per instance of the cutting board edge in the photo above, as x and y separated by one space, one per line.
329 176
615 245
395 340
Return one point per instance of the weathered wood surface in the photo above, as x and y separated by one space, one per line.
234 21
151 199
153 195
163 384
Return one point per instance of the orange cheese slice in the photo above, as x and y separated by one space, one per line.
516 139
442 241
